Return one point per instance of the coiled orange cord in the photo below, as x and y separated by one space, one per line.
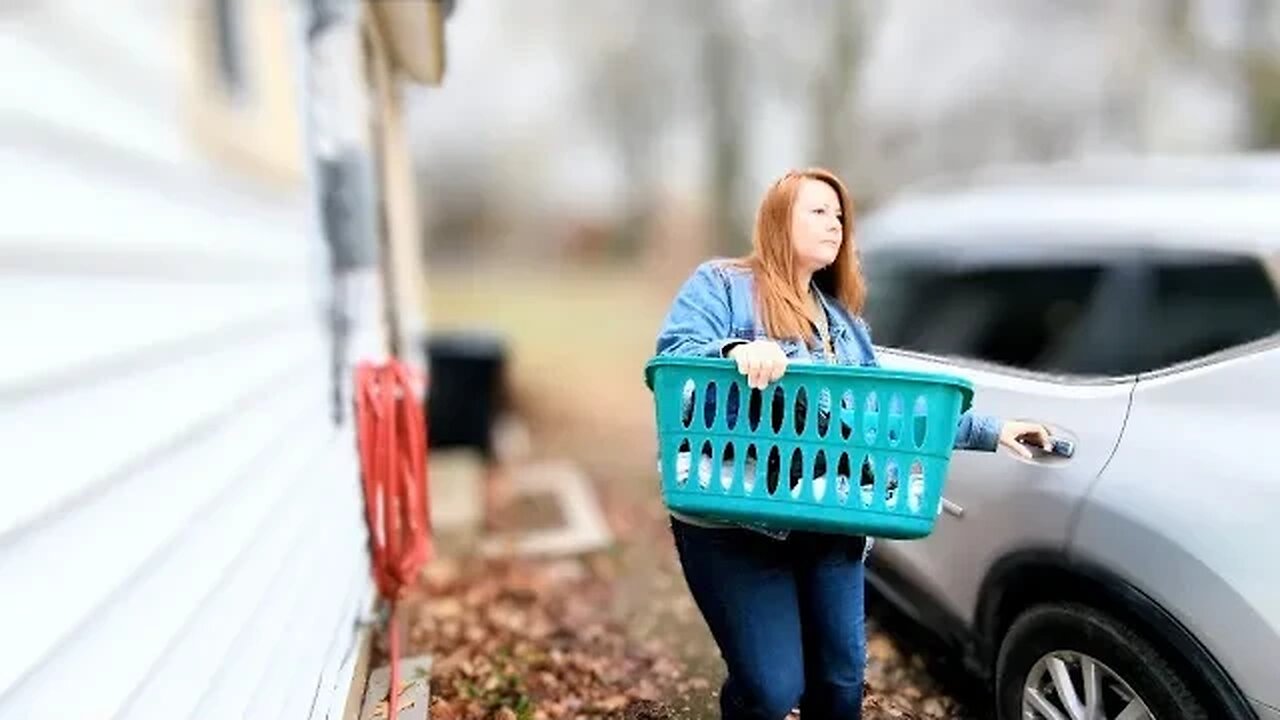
392 438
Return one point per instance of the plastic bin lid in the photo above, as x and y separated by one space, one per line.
467 343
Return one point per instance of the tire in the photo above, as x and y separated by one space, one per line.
1082 631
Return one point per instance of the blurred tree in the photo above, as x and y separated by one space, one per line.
1264 91
722 81
636 57
831 103
809 54
1262 72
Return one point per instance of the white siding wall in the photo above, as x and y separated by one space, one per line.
181 530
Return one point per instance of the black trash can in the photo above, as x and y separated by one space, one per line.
464 391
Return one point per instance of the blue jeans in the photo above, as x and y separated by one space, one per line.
787 616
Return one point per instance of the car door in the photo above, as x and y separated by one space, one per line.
1014 331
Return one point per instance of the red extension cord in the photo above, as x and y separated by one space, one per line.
393 441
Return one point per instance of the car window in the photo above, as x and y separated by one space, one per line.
1208 304
1106 315
1016 315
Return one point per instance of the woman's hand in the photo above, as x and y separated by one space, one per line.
1017 435
762 361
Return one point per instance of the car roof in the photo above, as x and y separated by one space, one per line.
1254 169
1178 204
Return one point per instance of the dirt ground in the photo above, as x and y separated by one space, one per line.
615 634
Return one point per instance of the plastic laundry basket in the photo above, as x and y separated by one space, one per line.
836 449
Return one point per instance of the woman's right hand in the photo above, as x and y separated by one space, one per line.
762 361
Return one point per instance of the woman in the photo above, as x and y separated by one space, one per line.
786 608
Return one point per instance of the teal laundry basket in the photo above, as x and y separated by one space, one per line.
848 450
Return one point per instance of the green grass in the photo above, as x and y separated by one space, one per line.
578 337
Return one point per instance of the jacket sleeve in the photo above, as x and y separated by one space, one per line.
698 322
977 432
973 431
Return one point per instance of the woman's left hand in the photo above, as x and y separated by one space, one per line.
1018 435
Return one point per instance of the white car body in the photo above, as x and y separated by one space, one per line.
1162 516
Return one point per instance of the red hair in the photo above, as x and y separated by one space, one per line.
780 303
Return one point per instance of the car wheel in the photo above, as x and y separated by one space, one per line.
1069 662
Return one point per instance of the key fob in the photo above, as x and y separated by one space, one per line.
1063 448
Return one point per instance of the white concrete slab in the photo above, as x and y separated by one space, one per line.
585 529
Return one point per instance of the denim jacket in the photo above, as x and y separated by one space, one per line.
715 310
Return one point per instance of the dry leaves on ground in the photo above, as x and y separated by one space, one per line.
609 636
898 684
523 640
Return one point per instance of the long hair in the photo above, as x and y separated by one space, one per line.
780 303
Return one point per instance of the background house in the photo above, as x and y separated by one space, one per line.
196 246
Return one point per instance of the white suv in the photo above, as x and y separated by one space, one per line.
1137 315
